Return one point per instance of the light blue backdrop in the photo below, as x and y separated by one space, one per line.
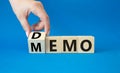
100 18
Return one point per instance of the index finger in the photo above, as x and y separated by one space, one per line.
41 13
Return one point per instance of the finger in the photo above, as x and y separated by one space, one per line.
25 26
47 27
38 26
40 12
44 20
38 9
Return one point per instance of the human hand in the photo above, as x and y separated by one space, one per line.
22 9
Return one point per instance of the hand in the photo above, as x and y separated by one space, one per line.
22 9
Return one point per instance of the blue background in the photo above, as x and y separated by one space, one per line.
100 18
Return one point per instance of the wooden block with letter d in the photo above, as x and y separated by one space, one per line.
36 42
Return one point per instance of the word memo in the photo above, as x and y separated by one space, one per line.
38 42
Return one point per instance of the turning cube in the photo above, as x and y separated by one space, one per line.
36 42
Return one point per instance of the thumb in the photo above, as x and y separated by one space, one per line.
25 25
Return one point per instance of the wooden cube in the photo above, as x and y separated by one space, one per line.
53 44
69 44
85 44
36 42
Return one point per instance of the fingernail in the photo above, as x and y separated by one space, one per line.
27 34
48 33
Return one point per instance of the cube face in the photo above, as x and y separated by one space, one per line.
53 44
36 42
85 44
69 44
36 35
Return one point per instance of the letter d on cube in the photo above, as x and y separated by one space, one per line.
36 42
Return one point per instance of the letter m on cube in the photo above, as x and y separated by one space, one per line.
36 42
